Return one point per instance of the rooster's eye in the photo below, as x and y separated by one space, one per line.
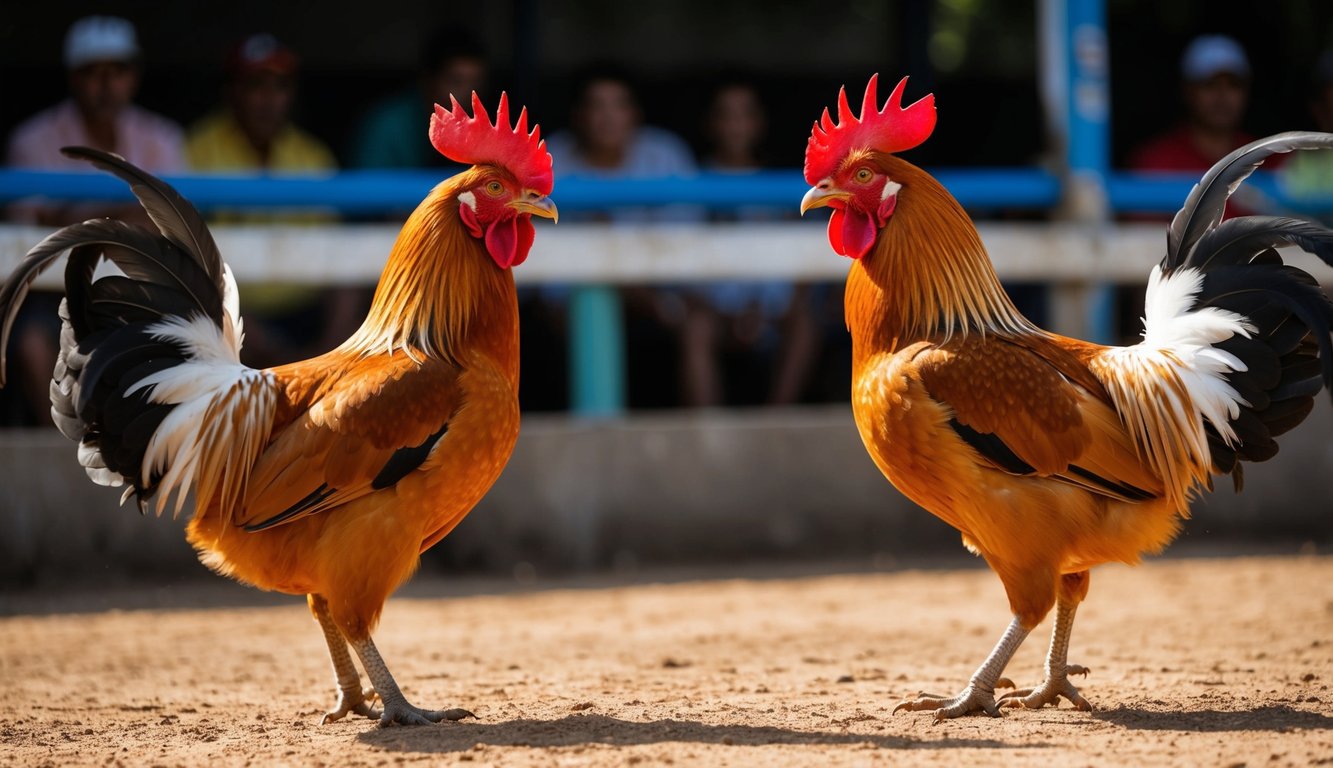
494 189
864 175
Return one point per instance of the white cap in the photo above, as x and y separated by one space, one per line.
1209 55
100 38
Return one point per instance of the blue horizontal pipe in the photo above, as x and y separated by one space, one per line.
368 192
362 192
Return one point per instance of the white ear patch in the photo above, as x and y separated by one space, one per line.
890 189
468 199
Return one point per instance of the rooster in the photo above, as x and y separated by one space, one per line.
1049 454
326 477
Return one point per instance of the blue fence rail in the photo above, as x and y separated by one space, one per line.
362 193
371 192
596 344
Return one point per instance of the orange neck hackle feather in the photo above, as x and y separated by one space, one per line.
438 285
928 275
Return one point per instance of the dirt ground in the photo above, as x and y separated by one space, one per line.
1221 662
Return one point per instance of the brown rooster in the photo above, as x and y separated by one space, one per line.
1053 455
327 477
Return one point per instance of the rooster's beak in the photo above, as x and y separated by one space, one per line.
537 205
821 195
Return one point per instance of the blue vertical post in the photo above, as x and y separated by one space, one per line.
1088 111
596 352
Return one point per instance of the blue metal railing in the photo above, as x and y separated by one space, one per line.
597 357
370 192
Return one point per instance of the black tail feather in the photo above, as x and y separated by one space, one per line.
107 346
1207 202
1289 356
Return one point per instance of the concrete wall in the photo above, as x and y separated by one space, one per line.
705 487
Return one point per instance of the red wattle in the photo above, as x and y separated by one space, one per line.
508 241
835 232
523 223
851 233
502 242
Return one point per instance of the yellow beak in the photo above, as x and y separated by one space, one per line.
820 196
537 205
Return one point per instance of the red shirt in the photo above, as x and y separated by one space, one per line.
1176 151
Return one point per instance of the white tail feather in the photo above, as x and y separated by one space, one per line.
222 419
1167 385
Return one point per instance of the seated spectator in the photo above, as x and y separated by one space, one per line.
608 139
253 131
1215 87
392 135
1310 174
104 65
745 342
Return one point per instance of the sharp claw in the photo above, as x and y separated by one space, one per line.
406 714
1005 682
1077 669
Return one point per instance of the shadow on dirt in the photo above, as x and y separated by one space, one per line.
1265 718
574 730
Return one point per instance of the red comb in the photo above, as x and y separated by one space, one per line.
892 129
472 140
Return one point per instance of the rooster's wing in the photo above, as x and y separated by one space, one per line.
1029 406
364 430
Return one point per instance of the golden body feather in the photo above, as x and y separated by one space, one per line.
934 339
438 350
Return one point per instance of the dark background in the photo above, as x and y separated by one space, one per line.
980 58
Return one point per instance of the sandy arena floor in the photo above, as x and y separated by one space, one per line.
1221 662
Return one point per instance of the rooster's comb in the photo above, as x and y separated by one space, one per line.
891 129
472 140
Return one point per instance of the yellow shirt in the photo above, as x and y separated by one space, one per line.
216 143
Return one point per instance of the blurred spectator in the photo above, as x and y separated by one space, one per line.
253 131
104 64
1215 88
1215 75
745 342
393 135
607 139
1310 174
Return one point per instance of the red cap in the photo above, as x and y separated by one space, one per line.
261 53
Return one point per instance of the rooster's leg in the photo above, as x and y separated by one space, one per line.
397 710
350 696
979 695
1058 669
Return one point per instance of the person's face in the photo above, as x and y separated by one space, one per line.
262 102
104 88
736 121
458 77
1217 103
607 116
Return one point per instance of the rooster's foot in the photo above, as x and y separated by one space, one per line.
1049 692
355 702
971 699
402 713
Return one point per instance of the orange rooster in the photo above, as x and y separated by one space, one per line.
327 477
1053 455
